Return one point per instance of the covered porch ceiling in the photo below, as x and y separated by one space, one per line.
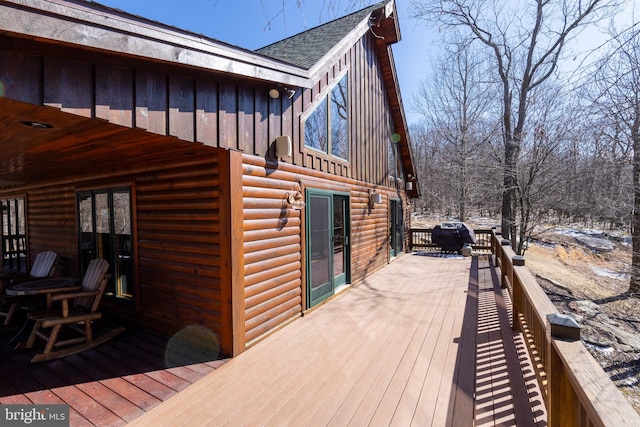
41 144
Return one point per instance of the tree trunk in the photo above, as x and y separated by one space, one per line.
511 152
634 283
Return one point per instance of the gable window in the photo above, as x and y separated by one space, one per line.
104 222
14 246
326 128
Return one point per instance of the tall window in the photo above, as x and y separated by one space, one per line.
14 235
105 232
326 128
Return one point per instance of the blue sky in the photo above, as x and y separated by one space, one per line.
255 23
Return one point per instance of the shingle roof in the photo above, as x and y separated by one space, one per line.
307 48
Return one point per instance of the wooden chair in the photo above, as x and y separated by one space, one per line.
77 312
43 265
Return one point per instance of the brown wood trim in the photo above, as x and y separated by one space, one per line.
134 238
324 185
233 339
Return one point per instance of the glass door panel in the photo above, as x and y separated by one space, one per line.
396 230
105 231
319 265
340 239
85 215
123 243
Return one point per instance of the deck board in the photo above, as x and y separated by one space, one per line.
109 385
412 344
385 352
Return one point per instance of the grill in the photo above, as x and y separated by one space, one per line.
452 236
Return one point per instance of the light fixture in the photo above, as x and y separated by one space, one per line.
374 198
274 93
409 186
283 146
295 199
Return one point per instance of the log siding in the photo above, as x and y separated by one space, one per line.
215 242
274 238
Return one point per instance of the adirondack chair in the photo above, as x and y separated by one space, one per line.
43 265
77 312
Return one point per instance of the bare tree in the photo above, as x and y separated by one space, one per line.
454 102
618 101
542 165
526 40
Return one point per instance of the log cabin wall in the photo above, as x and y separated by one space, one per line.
178 247
176 231
237 115
273 232
273 238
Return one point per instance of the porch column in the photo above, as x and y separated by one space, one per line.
233 340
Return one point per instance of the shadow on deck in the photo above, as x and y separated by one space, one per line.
424 341
111 384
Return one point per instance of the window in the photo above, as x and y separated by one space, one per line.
104 221
14 245
326 128
395 162
392 160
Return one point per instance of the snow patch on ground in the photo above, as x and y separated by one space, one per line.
610 273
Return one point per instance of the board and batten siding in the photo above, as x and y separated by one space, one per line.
274 238
210 108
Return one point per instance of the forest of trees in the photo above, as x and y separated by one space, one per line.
525 120
511 132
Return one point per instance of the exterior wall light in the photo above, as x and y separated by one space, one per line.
295 200
374 198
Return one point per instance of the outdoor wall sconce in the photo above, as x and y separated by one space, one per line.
295 200
283 146
374 198
409 186
275 92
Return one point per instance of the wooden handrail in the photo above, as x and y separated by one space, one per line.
576 390
421 239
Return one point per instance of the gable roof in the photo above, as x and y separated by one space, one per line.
307 48
73 24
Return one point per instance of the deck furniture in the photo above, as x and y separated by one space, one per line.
44 265
76 313
32 289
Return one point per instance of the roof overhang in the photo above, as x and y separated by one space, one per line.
94 26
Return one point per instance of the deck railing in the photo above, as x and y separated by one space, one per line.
577 392
421 240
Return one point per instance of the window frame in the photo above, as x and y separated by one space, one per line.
117 269
325 97
14 239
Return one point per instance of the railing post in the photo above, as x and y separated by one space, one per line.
517 297
563 405
505 266
411 240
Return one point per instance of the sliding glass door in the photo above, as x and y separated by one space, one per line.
396 229
327 244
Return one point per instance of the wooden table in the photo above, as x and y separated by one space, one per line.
45 286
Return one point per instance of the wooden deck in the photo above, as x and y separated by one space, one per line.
411 345
109 385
